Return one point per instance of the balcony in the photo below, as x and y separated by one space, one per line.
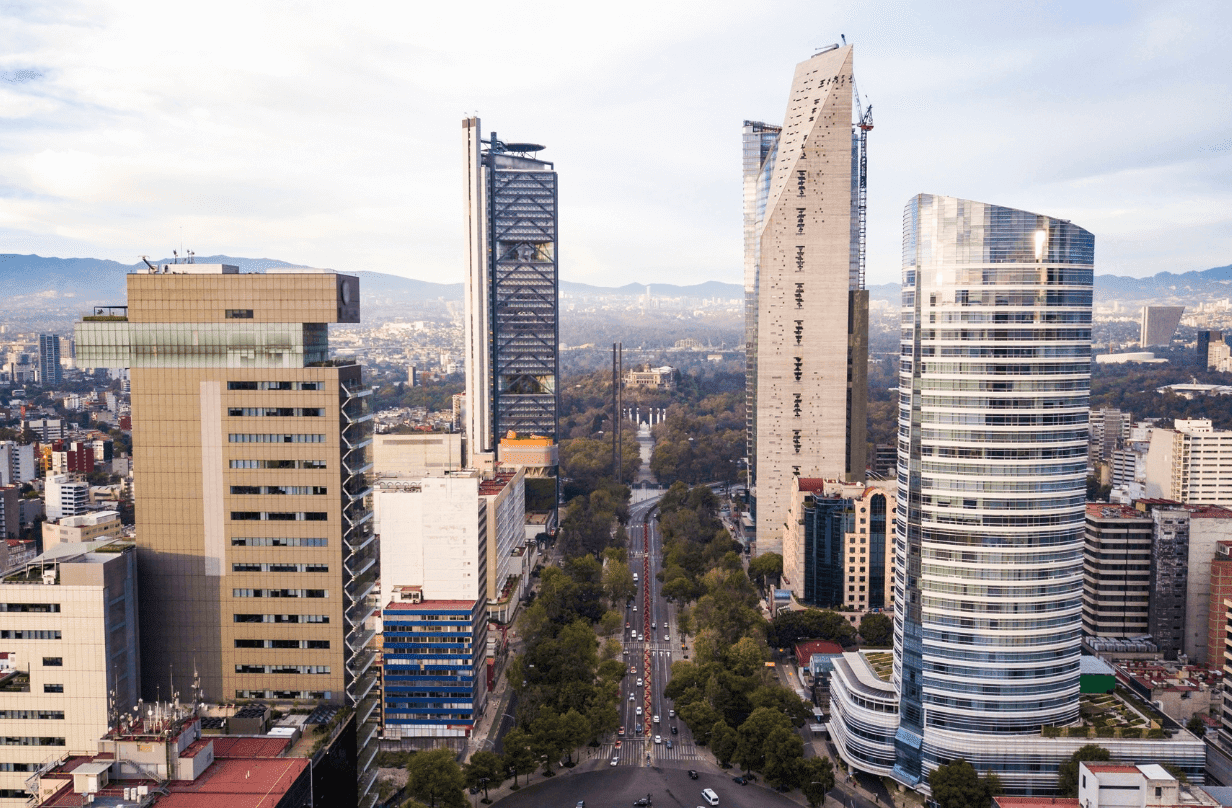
108 314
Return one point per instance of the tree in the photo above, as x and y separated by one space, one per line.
784 754
816 779
618 582
877 629
1196 725
518 754
485 770
1067 775
956 785
754 732
700 717
575 730
766 568
435 779
723 742
548 739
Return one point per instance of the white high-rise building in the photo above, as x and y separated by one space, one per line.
802 267
16 463
1190 463
66 495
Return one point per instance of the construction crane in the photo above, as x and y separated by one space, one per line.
865 125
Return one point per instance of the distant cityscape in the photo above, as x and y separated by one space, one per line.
288 537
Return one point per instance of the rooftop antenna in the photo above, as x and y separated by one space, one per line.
844 38
146 258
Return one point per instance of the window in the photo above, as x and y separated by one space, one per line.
277 464
239 314
53 688
281 618
259 437
29 634
30 607
263 541
278 516
53 662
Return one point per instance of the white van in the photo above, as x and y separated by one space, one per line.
709 796
635 579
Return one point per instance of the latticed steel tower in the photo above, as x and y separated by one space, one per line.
512 327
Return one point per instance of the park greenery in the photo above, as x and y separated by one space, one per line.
726 694
957 785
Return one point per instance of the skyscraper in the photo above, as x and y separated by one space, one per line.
995 381
760 142
255 541
511 328
49 360
810 314
1159 324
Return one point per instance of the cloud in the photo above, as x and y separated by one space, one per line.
330 135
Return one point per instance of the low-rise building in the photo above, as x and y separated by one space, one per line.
82 528
662 378
70 630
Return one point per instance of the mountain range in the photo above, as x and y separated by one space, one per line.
33 283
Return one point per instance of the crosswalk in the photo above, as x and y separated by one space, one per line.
633 751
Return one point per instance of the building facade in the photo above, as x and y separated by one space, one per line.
993 440
1159 324
83 528
811 307
839 548
1116 571
71 636
760 143
17 463
511 331
251 450
1189 463
49 360
66 495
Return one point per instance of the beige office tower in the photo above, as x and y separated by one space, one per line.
812 312
253 509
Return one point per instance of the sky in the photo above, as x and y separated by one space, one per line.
329 134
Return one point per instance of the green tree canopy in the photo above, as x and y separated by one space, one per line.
754 732
816 779
767 568
485 770
1067 775
435 779
956 785
877 629
723 742
518 754
784 754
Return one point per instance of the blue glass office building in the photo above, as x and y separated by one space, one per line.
434 668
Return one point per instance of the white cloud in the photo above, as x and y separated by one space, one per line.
329 134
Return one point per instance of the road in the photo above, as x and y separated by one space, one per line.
651 644
619 787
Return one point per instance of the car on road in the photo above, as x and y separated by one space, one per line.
615 761
621 732
666 638
674 729
709 796
692 774
644 801
654 625
740 781
631 697
633 669
638 727
639 682
669 743
639 710
656 719
639 637
627 625
580 804
671 713
618 744
658 739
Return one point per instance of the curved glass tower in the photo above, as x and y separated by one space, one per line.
994 385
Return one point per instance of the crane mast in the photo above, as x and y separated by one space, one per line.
865 125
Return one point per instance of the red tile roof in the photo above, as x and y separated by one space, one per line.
1036 802
194 748
805 650
813 484
229 746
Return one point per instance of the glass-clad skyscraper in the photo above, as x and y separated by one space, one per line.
994 386
993 407
760 143
511 291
